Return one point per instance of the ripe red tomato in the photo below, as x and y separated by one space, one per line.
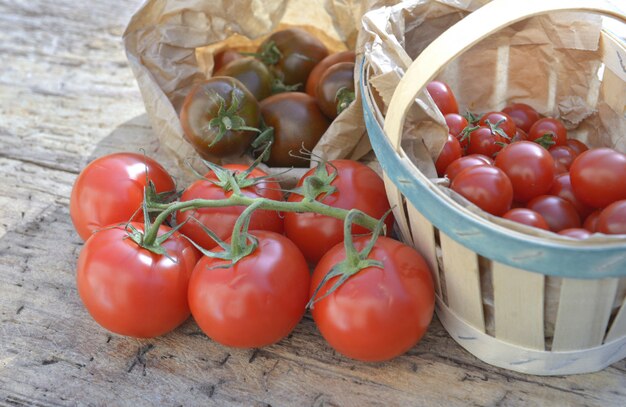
562 187
591 221
484 141
443 97
550 129
575 233
132 291
530 168
337 79
378 313
558 213
502 120
598 177
256 302
612 219
451 151
222 220
456 123
323 65
358 186
527 217
486 187
564 155
578 146
467 161
110 190
298 123
522 114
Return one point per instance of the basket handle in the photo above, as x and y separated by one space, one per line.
467 32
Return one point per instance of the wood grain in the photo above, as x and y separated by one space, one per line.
66 97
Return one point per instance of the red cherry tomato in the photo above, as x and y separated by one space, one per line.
467 161
562 187
558 213
564 155
256 302
376 314
598 177
451 151
487 187
578 146
222 220
527 217
130 290
484 141
443 97
522 114
550 130
520 135
612 219
110 190
575 233
591 221
456 123
358 186
530 168
501 120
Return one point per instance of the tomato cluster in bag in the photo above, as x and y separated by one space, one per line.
521 166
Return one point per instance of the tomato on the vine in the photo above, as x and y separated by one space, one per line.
222 220
130 290
377 313
357 186
255 302
111 190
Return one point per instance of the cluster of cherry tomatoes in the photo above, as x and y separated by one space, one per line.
142 281
291 84
521 166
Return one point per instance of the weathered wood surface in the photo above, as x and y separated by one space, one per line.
66 97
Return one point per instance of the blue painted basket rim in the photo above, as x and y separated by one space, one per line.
485 238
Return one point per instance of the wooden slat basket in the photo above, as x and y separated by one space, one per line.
493 283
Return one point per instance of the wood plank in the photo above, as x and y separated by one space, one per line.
462 281
618 327
518 303
423 234
583 314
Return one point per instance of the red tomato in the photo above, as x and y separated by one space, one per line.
530 168
501 120
456 123
548 129
443 97
612 219
467 161
484 141
520 135
559 213
575 233
562 187
222 220
527 217
323 65
451 151
378 313
591 221
111 188
256 302
487 187
522 114
358 186
578 146
132 291
598 177
564 155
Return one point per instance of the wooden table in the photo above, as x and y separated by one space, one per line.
68 96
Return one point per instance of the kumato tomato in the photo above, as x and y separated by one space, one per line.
224 57
443 97
464 162
252 73
323 65
214 137
486 187
558 213
378 313
292 54
335 90
598 177
527 217
530 168
522 114
110 190
256 302
612 219
451 151
298 123
357 186
132 291
548 132
222 220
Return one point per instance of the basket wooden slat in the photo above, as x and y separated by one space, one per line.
618 327
423 236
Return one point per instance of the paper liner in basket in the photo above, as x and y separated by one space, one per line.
551 62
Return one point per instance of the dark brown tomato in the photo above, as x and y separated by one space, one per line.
202 105
298 123
224 57
330 96
299 52
318 71
252 73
